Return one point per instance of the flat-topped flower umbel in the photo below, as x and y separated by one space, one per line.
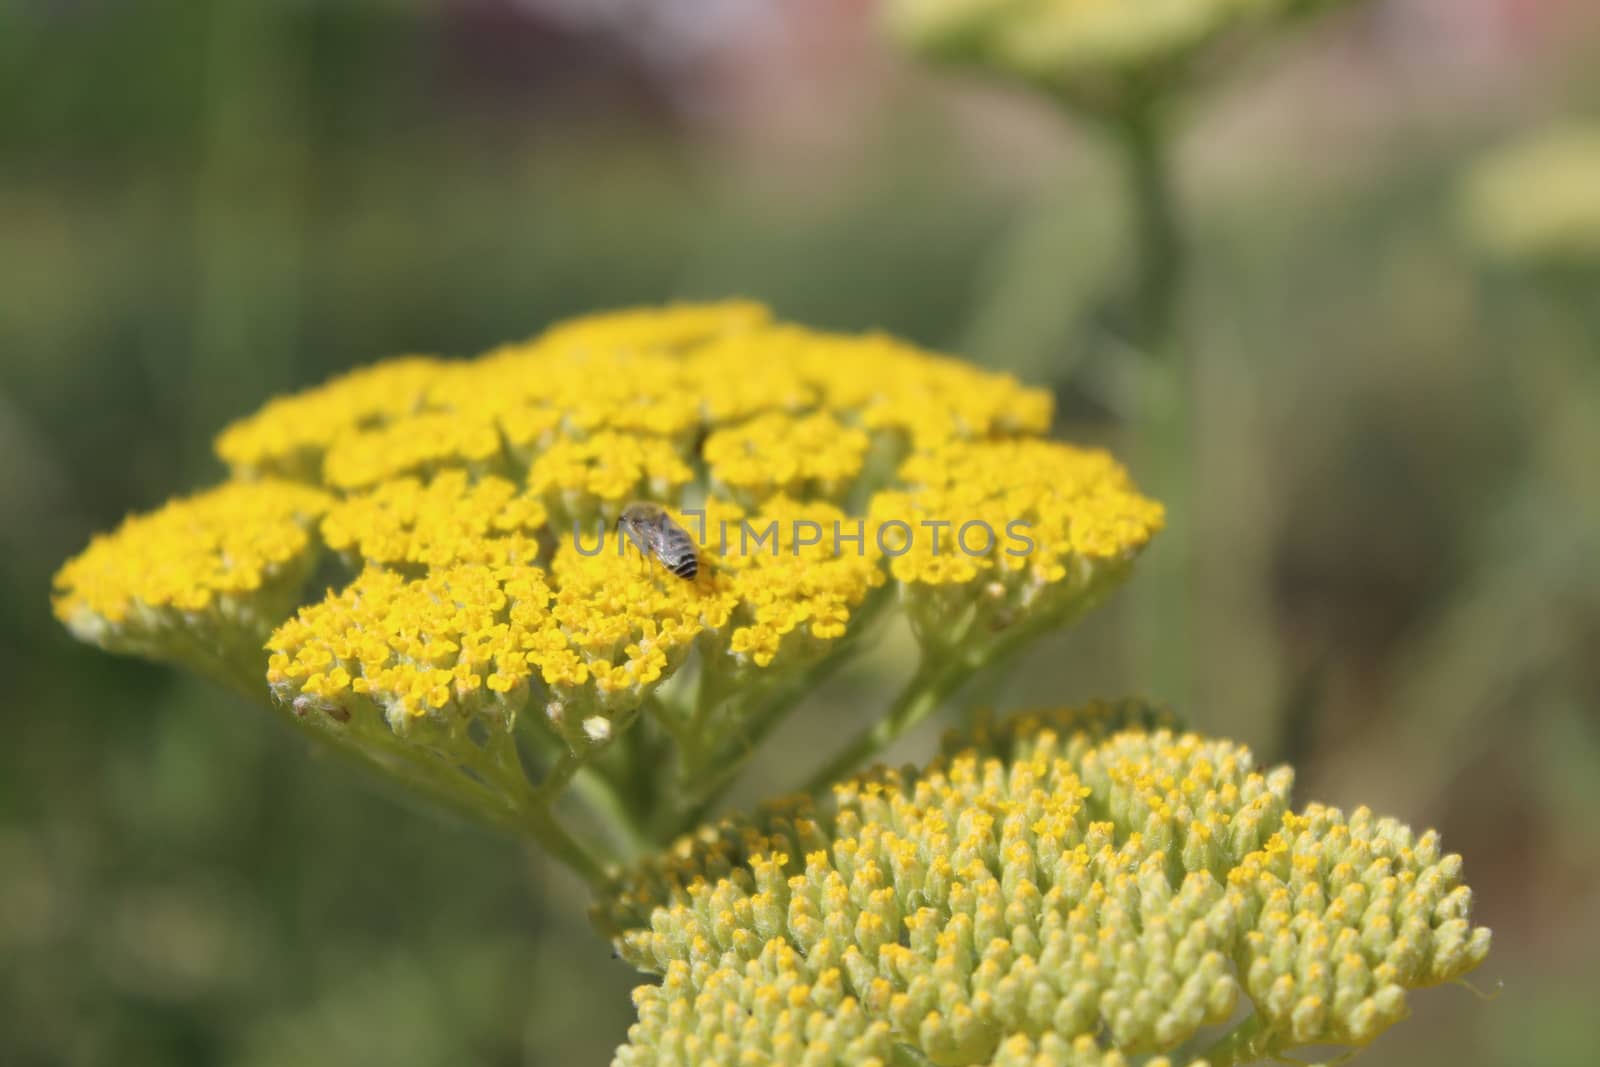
406 557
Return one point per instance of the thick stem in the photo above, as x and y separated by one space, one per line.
1158 238
762 724
772 707
555 780
554 839
1164 440
540 820
416 770
714 786
945 669
607 806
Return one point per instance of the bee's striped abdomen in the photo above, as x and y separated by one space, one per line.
676 550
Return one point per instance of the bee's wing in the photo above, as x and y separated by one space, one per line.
643 536
647 536
659 537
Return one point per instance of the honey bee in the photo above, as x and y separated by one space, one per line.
653 533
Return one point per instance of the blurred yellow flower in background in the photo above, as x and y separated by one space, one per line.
1537 200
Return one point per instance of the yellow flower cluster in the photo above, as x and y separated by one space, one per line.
599 629
1063 877
987 534
289 436
599 475
463 500
795 592
411 648
805 456
230 561
1079 45
450 519
626 628
420 443
658 375
470 639
1535 201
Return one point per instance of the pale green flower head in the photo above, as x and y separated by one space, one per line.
1098 53
1537 200
1075 887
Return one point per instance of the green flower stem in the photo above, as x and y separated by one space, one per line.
386 764
512 805
1245 1043
935 679
693 756
555 780
712 778
761 724
1164 439
621 788
425 774
1159 246
672 722
607 806
536 803
946 667
554 839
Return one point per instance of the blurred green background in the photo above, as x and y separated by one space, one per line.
1396 568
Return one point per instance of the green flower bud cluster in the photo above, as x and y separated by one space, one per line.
769 1013
1064 888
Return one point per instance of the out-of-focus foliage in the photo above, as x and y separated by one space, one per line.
204 205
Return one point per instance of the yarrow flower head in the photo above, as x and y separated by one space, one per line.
421 558
1076 887
1096 52
1008 535
1534 202
201 581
